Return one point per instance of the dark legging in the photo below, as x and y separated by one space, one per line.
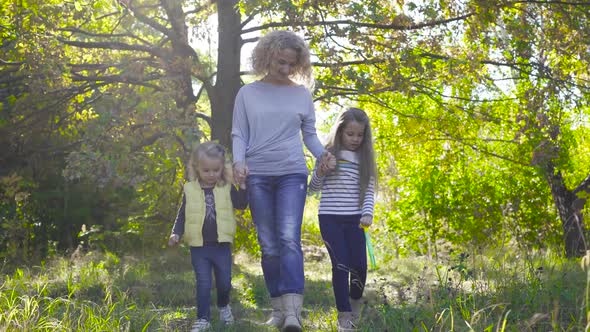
210 258
345 241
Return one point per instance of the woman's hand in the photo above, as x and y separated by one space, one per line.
173 240
327 164
240 173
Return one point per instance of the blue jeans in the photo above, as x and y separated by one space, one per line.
345 242
206 259
276 203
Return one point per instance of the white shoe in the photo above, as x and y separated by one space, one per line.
345 322
225 315
200 325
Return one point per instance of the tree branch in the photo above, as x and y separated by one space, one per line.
181 142
148 141
585 185
250 40
91 34
249 19
348 63
401 27
199 8
150 22
567 3
486 152
204 117
119 79
52 149
11 63
104 66
112 45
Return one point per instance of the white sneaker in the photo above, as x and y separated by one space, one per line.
200 325
345 322
225 315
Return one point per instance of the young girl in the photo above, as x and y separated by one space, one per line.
346 205
206 220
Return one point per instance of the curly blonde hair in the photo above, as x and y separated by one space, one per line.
270 44
211 150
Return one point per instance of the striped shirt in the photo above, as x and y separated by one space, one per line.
341 188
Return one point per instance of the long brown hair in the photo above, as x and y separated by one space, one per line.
212 150
367 165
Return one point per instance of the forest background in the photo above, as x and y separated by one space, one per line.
480 111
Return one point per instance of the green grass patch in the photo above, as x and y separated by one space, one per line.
492 291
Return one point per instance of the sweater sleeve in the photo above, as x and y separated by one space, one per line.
310 137
178 227
315 184
240 131
369 199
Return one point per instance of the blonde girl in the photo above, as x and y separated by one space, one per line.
206 222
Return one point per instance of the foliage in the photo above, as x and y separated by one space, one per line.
90 151
480 111
443 189
477 124
507 290
246 237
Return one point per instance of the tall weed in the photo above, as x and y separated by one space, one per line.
476 291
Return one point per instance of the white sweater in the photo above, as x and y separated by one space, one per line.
269 122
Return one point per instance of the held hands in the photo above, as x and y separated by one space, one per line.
327 164
366 221
173 240
240 173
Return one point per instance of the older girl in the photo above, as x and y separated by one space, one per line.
347 202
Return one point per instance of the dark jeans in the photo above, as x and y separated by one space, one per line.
276 203
345 242
206 259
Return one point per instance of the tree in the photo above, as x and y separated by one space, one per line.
152 38
508 79
128 82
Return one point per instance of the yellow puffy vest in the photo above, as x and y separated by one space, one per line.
195 214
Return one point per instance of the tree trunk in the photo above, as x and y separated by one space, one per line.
227 82
568 206
178 66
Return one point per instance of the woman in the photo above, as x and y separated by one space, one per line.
270 117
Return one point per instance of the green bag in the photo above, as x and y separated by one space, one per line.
370 249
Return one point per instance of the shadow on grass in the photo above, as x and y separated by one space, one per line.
251 304
544 294
414 294
250 301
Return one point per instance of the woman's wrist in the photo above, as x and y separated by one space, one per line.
237 162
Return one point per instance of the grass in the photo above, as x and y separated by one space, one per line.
492 291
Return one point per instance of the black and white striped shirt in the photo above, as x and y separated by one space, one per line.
341 188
